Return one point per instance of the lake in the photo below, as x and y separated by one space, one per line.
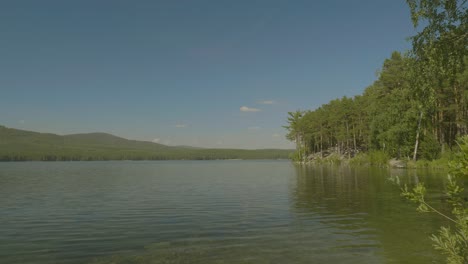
211 212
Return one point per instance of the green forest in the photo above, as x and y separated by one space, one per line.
416 109
20 145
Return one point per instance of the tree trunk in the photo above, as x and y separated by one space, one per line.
354 139
347 139
304 157
415 153
321 143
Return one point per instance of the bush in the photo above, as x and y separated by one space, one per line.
430 148
451 241
378 158
361 159
373 158
295 156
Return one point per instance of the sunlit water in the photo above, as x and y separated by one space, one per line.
210 212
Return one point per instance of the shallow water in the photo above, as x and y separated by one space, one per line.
210 212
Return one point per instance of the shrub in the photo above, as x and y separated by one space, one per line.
452 242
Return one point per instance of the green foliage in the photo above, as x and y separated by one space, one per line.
459 166
452 243
19 145
441 163
296 156
361 159
378 158
418 103
430 148
333 159
296 134
372 158
416 195
419 164
444 40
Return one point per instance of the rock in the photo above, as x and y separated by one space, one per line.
394 163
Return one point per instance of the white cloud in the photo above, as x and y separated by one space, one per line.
276 135
181 125
267 102
254 128
21 122
249 109
156 140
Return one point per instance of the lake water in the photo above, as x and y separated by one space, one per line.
210 212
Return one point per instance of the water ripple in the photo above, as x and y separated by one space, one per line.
206 212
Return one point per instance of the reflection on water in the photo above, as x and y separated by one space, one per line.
365 205
209 212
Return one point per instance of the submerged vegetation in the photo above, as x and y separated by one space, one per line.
20 145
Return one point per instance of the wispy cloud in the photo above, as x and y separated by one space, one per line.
21 122
156 140
249 109
276 135
254 128
181 125
267 102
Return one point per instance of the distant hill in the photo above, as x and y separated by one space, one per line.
21 145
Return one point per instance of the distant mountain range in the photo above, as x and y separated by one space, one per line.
21 145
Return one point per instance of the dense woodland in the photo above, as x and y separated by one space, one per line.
417 107
20 145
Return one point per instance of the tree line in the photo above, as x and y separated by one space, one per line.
417 107
20 145
104 154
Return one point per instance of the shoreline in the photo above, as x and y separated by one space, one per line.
393 163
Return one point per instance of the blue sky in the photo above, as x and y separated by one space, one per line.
209 73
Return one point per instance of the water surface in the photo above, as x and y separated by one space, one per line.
210 212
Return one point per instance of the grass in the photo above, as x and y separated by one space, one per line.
372 158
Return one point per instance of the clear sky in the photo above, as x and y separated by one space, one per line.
211 73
